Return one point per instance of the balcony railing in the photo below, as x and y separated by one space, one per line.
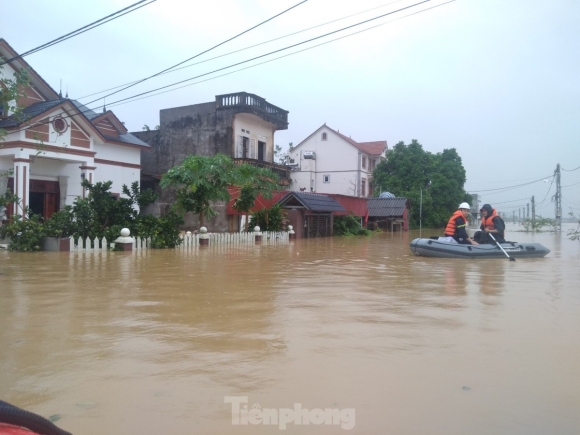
282 171
251 101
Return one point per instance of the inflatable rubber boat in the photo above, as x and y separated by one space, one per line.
444 249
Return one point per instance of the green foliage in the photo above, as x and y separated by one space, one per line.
199 182
10 90
24 234
61 224
574 233
441 177
272 219
349 225
539 223
163 231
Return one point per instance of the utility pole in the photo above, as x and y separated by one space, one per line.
533 212
528 212
558 200
514 217
519 214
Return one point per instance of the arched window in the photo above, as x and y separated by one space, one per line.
323 136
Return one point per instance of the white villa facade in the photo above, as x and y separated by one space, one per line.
330 162
56 143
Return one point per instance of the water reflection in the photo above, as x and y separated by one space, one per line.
151 342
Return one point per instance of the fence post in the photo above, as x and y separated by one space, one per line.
203 237
258 234
125 242
291 233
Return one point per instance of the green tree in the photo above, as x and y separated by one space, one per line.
199 182
10 90
410 170
253 181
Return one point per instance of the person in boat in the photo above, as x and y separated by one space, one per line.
457 224
491 223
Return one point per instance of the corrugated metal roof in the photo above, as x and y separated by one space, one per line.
386 207
311 201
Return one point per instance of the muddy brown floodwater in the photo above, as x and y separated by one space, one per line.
153 342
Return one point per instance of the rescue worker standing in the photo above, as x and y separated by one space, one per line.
491 223
457 224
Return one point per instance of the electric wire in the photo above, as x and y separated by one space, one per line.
247 48
504 189
570 185
264 55
80 30
134 97
203 52
570 170
274 59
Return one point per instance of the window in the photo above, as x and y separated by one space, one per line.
323 136
326 178
363 187
364 162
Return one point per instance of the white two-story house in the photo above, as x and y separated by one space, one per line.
330 162
55 143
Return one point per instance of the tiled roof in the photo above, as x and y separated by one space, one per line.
312 201
29 113
90 114
128 138
375 148
386 207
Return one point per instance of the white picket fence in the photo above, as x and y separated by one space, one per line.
189 241
102 245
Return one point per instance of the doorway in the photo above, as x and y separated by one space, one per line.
261 150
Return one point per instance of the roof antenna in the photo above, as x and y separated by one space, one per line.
60 90
66 91
104 106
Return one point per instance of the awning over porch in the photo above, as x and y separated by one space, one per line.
310 201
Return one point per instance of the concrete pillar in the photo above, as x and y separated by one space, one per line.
258 234
203 237
125 242
291 233
21 183
87 173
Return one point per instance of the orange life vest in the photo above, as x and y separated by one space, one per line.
487 221
451 225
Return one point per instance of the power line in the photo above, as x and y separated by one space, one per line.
203 52
570 170
247 48
274 59
133 98
267 54
549 188
570 185
81 30
504 189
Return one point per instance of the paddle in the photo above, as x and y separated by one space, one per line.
500 247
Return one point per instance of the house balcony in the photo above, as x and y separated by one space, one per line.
250 103
282 171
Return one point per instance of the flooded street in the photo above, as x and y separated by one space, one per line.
152 342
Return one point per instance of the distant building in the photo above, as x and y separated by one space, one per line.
330 162
240 125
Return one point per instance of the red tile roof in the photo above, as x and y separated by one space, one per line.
375 148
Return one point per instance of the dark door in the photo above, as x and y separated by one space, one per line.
245 147
318 225
261 150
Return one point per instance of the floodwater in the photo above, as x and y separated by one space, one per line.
152 342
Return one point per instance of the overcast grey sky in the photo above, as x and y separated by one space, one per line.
496 79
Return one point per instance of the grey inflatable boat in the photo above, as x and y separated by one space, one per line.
444 249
